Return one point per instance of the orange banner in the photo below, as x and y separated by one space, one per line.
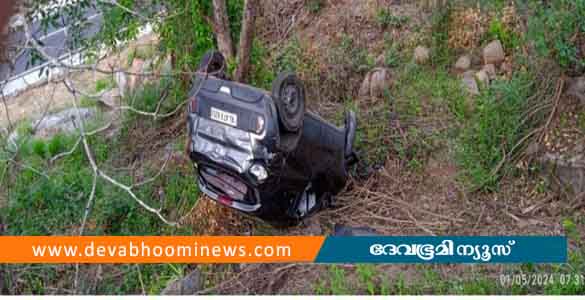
155 249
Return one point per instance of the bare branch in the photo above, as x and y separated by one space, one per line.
124 8
160 171
127 189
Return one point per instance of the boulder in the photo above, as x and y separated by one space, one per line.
422 55
65 121
490 69
570 171
506 68
493 53
188 285
469 83
463 63
376 83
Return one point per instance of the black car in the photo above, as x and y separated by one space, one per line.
260 152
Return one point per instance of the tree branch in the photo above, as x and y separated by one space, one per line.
221 27
246 40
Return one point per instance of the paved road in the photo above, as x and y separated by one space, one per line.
54 39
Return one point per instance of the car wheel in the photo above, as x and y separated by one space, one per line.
288 93
213 63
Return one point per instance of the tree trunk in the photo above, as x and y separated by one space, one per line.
246 40
221 27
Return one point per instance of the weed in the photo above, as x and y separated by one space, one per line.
366 275
493 130
497 30
353 56
338 283
564 25
315 6
290 59
144 52
581 120
56 144
103 84
261 75
385 18
39 147
440 39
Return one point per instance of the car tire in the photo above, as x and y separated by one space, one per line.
288 93
213 63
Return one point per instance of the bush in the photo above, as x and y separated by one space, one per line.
493 130
558 29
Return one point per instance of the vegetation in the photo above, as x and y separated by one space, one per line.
385 18
425 117
493 130
563 26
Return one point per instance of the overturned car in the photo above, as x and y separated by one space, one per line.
261 153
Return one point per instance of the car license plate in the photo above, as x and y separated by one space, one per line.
224 117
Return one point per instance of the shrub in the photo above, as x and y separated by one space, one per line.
558 29
493 130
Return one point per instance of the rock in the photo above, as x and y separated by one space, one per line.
570 172
65 121
483 78
422 55
577 88
469 83
342 230
111 98
493 53
490 69
188 285
376 83
506 68
463 63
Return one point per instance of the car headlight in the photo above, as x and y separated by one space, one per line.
259 172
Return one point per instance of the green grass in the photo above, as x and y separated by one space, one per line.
385 18
37 205
563 23
315 6
369 280
261 74
104 84
493 130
